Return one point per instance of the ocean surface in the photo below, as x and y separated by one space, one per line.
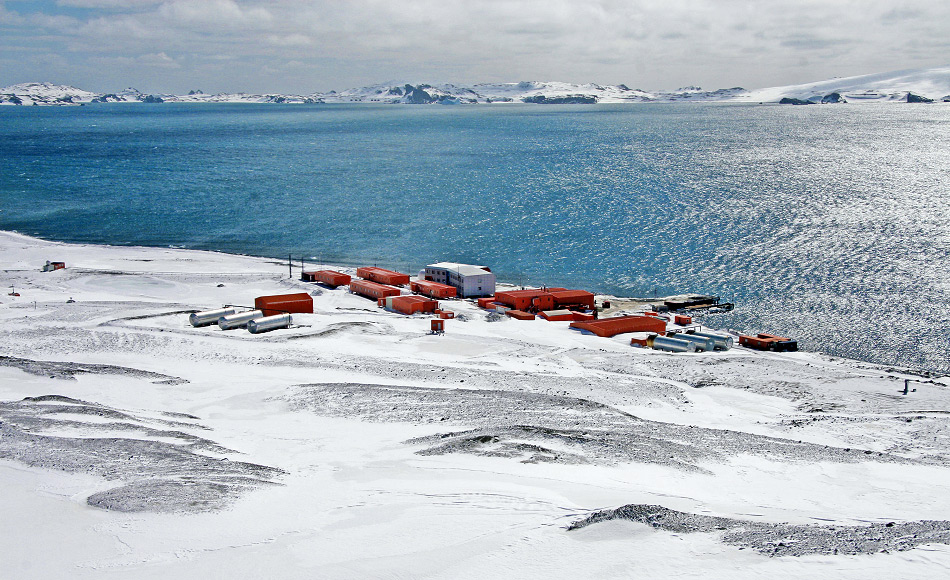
829 224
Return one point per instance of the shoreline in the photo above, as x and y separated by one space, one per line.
359 444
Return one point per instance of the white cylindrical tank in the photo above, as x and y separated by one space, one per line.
269 323
701 342
208 317
239 320
671 344
723 342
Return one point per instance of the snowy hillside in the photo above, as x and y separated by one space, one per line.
932 84
358 445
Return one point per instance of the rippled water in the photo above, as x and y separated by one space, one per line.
827 223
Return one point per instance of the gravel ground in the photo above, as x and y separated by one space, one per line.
784 539
552 428
69 370
156 475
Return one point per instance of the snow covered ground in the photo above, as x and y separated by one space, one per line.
358 445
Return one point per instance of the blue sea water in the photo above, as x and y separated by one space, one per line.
830 224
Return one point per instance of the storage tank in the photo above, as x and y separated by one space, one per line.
208 317
268 323
239 320
701 342
723 342
671 344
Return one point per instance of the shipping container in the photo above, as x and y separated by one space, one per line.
522 299
284 303
484 302
437 326
433 289
411 304
682 320
327 277
373 290
572 299
608 327
382 276
768 342
520 315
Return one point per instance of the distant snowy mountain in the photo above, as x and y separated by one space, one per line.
523 92
930 84
43 94
920 85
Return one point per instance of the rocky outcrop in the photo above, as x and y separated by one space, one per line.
793 101
833 98
913 98
564 100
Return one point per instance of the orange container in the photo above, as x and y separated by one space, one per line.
484 302
327 277
382 276
608 327
768 342
522 299
446 314
372 289
543 302
520 315
284 303
553 315
567 298
682 320
433 289
411 304
438 325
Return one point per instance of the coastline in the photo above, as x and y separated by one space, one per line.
356 444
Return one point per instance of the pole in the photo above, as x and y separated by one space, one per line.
290 266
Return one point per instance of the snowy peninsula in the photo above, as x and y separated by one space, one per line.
356 444
918 85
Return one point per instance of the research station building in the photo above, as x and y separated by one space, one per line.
471 281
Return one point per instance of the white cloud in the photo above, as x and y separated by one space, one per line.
644 43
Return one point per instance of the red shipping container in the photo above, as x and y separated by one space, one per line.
382 276
682 320
520 315
372 289
565 298
484 302
521 299
446 314
566 315
328 277
608 327
433 289
283 303
553 315
411 304
438 325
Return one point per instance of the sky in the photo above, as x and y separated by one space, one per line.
307 46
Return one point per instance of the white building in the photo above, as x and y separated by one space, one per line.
468 279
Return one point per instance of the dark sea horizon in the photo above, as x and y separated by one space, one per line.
829 224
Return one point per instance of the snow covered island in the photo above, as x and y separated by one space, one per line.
915 86
356 444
